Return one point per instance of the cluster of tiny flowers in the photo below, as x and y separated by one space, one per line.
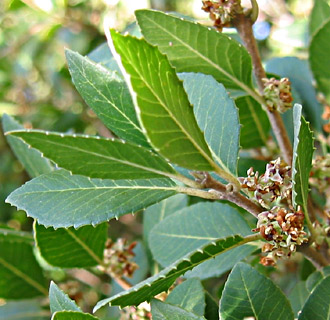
222 11
141 312
279 224
118 258
271 188
278 94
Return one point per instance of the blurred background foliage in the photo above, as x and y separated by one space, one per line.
35 85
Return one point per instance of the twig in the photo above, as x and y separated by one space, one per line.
219 191
243 25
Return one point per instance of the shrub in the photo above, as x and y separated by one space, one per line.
223 179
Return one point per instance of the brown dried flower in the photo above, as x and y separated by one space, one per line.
277 94
222 12
118 258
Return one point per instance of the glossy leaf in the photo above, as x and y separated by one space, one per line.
319 58
189 295
60 301
163 106
71 248
216 115
163 311
23 310
97 157
192 47
320 14
192 227
20 274
61 200
72 315
159 211
317 306
301 78
254 121
108 96
248 293
31 159
303 148
162 281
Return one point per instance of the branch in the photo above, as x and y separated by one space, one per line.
219 191
243 24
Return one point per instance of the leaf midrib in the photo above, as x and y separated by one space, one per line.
106 99
239 83
187 134
132 164
97 188
24 276
85 247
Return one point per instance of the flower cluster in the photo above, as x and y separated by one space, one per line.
118 258
278 94
271 188
280 224
222 12
141 312
283 229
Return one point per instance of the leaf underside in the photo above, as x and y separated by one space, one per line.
61 200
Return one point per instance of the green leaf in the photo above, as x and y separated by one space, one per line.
301 78
212 308
97 157
192 227
254 121
163 311
163 106
159 211
162 281
107 95
317 306
320 14
23 310
72 315
20 275
319 58
71 248
248 293
298 296
303 148
216 115
59 301
314 279
192 47
221 264
103 56
189 296
31 159
60 200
